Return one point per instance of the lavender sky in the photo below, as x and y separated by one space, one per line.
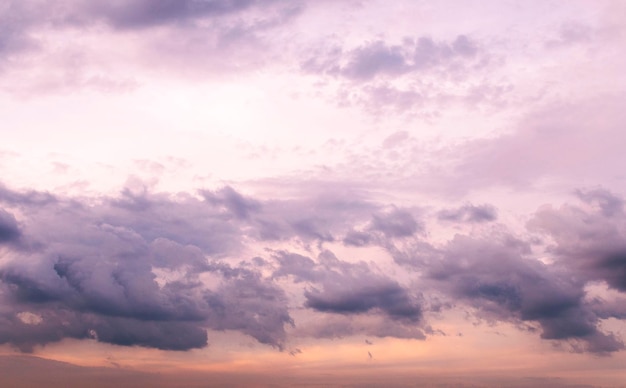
332 192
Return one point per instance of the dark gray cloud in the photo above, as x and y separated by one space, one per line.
252 305
383 225
312 229
495 277
232 201
91 271
357 239
155 334
609 203
591 241
396 223
469 213
349 288
158 270
30 197
9 230
123 14
348 299
146 13
301 267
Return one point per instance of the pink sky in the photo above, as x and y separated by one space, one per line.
325 192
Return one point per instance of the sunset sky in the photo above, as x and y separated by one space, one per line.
240 192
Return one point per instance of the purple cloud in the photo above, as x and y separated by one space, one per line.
9 230
469 213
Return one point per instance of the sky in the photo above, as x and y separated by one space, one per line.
351 192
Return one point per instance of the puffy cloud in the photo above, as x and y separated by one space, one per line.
345 288
252 305
348 298
382 77
497 278
158 270
588 239
92 271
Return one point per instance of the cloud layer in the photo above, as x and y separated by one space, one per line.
157 270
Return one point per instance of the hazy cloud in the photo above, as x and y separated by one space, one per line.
469 213
234 202
521 157
609 203
145 13
379 58
396 223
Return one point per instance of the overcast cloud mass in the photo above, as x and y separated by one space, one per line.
424 189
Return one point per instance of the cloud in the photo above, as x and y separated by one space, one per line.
311 216
9 230
413 77
301 267
127 270
252 305
609 203
496 278
376 58
381 59
500 280
396 223
392 299
168 36
28 198
127 14
234 202
139 267
520 158
469 213
589 239
357 239
347 288
384 224
146 13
